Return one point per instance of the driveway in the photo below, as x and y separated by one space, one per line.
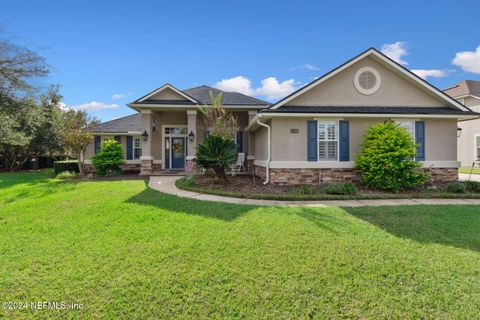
464 177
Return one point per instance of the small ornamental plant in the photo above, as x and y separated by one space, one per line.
387 159
216 153
108 162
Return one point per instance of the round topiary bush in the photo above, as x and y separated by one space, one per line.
108 162
387 159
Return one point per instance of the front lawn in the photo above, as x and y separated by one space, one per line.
126 251
468 170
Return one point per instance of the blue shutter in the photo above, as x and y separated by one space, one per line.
344 141
97 143
312 140
129 148
118 139
239 141
420 140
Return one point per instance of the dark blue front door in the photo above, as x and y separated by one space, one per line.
178 149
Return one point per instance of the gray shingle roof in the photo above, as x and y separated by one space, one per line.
463 88
121 125
202 95
369 109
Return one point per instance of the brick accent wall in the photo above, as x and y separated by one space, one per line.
291 177
442 175
146 167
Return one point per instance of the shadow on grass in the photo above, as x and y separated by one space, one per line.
208 209
451 225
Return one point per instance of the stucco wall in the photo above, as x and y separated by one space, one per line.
260 145
340 91
440 145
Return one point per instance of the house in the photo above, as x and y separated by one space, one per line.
468 93
166 129
311 136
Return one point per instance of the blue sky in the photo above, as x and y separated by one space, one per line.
98 49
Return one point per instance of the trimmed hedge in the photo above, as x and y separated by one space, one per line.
67 165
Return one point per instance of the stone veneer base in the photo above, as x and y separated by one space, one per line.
291 177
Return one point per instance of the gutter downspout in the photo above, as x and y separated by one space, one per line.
267 175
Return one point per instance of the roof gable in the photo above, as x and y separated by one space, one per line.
426 94
167 93
202 94
464 88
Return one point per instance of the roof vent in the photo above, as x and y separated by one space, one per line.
367 80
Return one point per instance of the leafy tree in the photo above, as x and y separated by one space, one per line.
109 160
386 160
216 153
20 120
217 120
73 131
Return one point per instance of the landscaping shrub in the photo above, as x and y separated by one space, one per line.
304 189
67 175
216 153
456 187
66 165
472 186
109 160
342 188
189 182
386 160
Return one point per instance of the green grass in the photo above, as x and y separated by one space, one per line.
187 184
468 170
126 251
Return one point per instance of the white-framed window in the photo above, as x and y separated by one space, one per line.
137 148
407 124
176 130
477 148
327 140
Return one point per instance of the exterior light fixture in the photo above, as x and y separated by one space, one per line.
459 132
191 136
145 135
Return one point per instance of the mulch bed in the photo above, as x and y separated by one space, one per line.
240 183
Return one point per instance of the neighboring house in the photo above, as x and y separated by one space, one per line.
468 93
311 136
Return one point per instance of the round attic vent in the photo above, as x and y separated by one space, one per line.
367 80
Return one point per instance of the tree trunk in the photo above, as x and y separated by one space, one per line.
220 172
80 163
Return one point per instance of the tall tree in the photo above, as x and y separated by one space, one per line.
75 135
20 120
18 65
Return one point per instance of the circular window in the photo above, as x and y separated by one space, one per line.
367 80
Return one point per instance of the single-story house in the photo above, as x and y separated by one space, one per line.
467 92
311 136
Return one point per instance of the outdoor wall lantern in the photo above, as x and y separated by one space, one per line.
191 136
145 135
459 132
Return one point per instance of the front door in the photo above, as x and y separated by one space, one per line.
178 151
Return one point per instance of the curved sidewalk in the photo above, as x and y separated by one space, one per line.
166 184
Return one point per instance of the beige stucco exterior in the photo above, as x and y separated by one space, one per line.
287 145
470 131
340 90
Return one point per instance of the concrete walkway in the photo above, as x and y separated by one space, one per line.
166 184
466 176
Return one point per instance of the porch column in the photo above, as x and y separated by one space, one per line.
191 145
146 166
250 143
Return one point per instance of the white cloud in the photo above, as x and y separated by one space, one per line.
63 106
396 51
306 66
434 73
94 105
117 96
238 84
468 60
270 88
